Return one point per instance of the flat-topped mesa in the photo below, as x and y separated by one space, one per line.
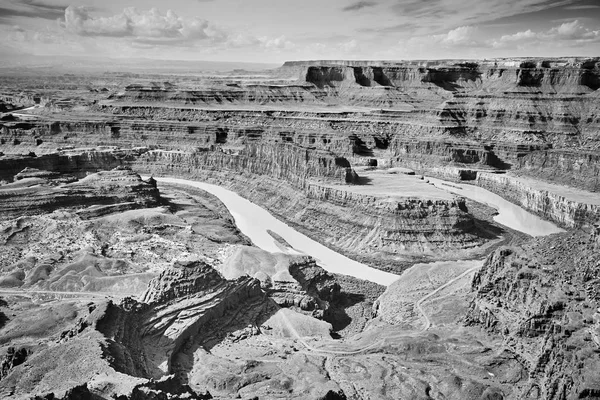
578 62
576 75
237 94
393 225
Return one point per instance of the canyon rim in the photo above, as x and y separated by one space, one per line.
385 199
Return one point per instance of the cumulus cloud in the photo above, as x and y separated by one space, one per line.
459 37
573 30
150 26
568 32
278 43
359 5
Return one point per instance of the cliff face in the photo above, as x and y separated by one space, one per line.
280 161
523 73
545 306
569 213
567 167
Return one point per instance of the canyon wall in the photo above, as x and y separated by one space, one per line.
552 206
373 230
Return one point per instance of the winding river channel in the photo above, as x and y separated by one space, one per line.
509 214
255 222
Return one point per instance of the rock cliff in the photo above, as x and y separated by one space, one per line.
567 211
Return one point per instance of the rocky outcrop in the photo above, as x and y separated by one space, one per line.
12 358
542 299
168 388
184 279
78 163
312 288
91 196
184 299
291 281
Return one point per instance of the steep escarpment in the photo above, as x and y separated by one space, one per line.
522 72
291 163
579 169
567 207
542 299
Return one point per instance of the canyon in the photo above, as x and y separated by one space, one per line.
326 229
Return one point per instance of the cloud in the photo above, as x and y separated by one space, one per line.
279 43
567 32
151 27
440 15
359 5
350 46
30 9
519 36
582 7
570 30
463 36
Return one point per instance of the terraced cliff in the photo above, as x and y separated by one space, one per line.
505 114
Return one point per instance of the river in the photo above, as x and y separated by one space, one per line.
509 214
255 222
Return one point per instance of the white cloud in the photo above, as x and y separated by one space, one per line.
462 36
568 32
278 43
573 30
145 26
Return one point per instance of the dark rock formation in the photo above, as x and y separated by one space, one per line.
12 358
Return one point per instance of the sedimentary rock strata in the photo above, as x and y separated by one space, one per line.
115 286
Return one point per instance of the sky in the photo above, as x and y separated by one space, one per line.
273 31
